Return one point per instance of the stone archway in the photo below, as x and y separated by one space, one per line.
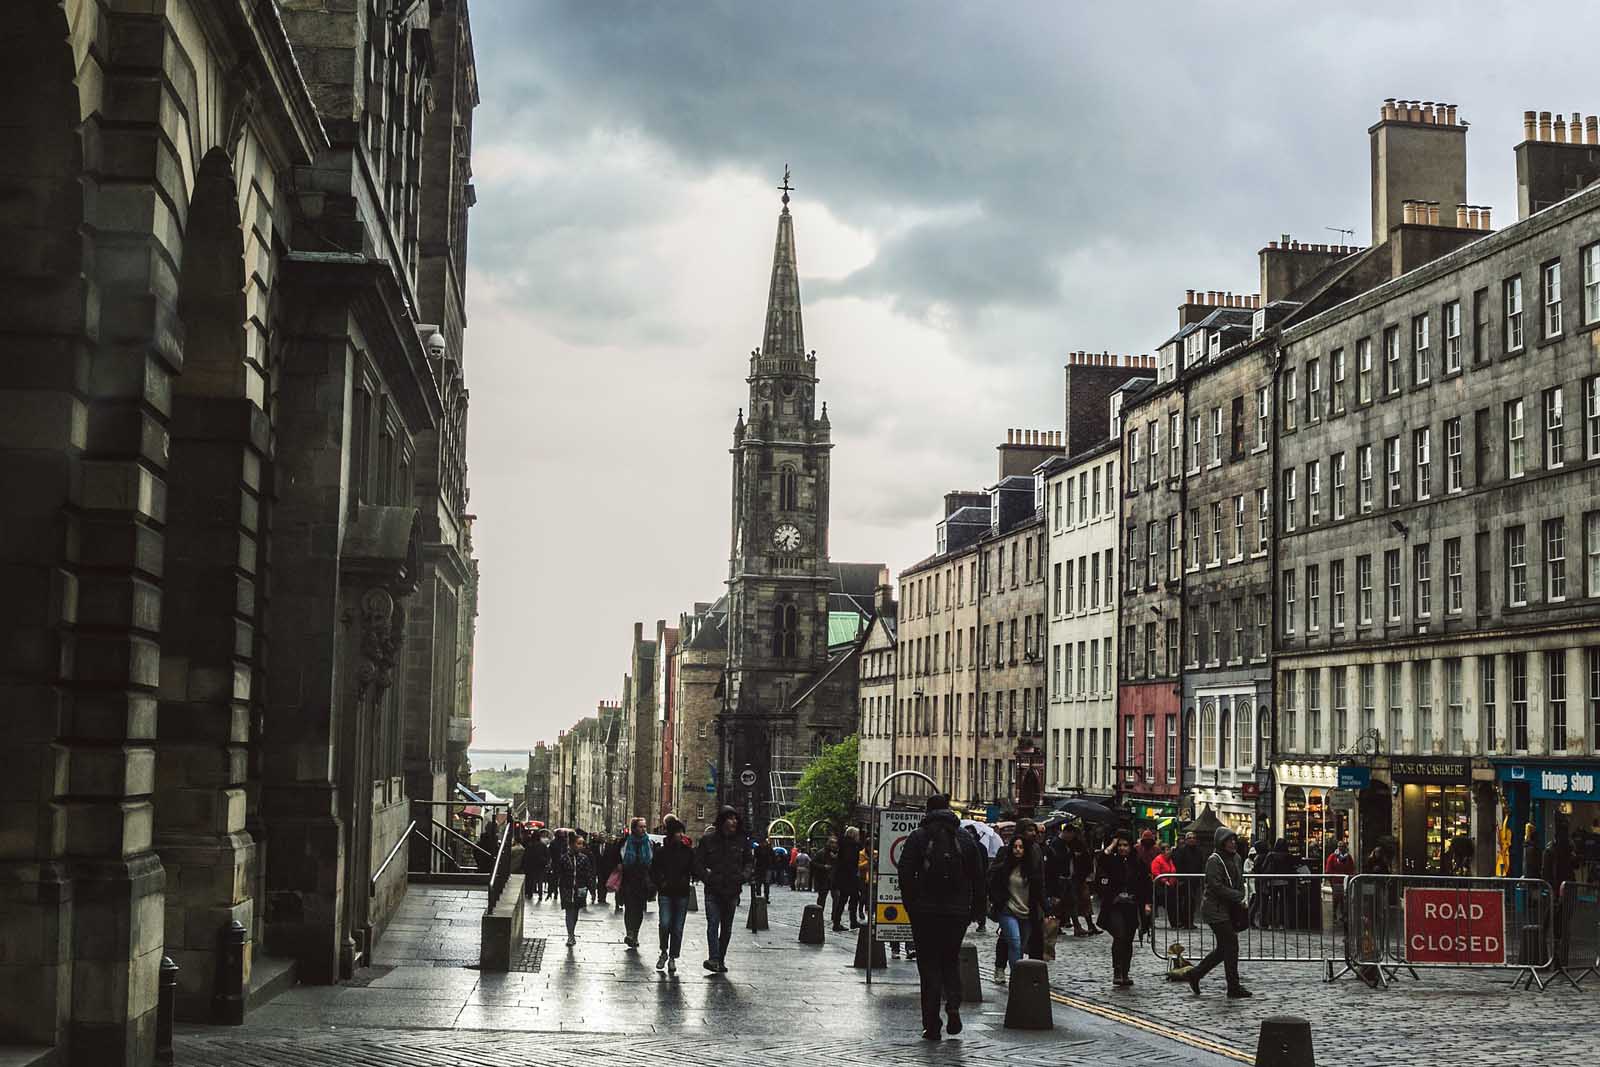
217 451
47 331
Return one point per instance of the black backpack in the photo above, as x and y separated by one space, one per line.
944 869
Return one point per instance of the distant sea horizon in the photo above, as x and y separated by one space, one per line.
495 759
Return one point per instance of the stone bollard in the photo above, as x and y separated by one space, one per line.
1028 998
1285 1041
757 919
879 960
165 1006
811 926
694 898
227 997
971 981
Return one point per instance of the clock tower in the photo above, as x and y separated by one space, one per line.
778 572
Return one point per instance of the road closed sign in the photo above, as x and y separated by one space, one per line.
1455 927
889 916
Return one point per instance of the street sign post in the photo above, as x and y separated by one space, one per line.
889 919
747 777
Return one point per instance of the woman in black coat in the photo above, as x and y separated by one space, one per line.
575 878
671 869
1016 899
1122 882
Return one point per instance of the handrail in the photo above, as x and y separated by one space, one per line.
495 884
372 888
462 836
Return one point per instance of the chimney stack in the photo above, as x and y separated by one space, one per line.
1555 159
1419 154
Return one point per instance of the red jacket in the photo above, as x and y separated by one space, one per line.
1162 865
1345 867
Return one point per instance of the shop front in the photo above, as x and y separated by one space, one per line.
1309 817
1436 827
1234 805
1549 794
1158 815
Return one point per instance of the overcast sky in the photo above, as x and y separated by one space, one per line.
980 189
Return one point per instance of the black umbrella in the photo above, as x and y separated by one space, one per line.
1087 810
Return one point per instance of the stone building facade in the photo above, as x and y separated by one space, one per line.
537 790
875 688
637 748
698 662
234 470
1082 635
1437 611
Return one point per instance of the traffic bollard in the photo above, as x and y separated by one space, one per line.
811 926
165 1006
971 981
879 960
1285 1041
1028 997
227 998
757 919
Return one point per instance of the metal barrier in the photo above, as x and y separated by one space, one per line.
1294 918
1404 921
1578 932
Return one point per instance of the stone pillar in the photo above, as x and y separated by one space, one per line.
1408 699
1500 742
1578 725
305 833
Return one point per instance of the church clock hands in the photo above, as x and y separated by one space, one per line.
787 537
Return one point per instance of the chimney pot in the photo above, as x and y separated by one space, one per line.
1574 129
1591 130
1408 212
1450 114
1530 122
1387 111
1559 130
1188 296
1544 125
1427 111
1461 216
1433 213
1485 217
1472 218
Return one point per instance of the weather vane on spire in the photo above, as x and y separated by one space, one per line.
786 187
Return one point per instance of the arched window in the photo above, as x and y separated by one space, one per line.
1242 726
1264 753
788 490
1224 739
785 631
1192 739
1208 734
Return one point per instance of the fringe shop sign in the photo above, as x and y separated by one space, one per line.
1455 927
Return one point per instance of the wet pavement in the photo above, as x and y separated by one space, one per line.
421 1004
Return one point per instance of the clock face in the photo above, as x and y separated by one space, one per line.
787 537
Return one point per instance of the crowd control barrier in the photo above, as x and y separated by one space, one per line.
1294 918
1577 932
1412 922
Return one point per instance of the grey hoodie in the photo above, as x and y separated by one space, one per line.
1224 881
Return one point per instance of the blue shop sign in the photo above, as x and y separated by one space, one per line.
1355 777
1556 782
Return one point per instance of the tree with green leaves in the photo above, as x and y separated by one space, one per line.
827 789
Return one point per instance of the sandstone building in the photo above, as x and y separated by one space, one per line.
234 519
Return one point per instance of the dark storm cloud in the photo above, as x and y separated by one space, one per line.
1024 179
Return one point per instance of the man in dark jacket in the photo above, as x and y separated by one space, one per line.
535 865
942 884
846 880
1189 859
763 870
722 862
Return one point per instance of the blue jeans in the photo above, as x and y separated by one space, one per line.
672 910
719 924
1014 931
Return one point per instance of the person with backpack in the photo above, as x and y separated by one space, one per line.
942 885
1222 908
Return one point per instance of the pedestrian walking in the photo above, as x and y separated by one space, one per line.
1122 881
535 866
845 878
722 861
941 883
671 870
1145 852
1189 858
1340 867
634 887
1222 909
763 857
1016 899
802 868
1163 883
862 898
822 869
575 879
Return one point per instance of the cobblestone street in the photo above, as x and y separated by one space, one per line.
419 1004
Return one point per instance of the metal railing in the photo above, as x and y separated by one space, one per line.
500 872
1577 932
1294 918
372 886
1410 922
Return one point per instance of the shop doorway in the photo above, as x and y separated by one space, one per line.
1376 815
1431 818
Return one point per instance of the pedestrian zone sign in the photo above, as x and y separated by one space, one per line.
889 914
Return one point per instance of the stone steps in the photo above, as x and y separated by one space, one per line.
269 976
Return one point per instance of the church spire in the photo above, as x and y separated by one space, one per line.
785 335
